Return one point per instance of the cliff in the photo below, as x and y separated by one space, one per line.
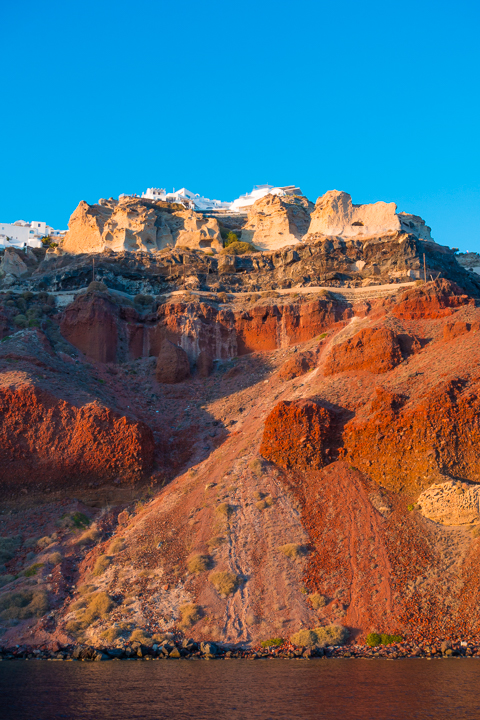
236 448
134 224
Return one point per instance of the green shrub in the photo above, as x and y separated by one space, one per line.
225 583
23 604
238 248
96 286
20 321
6 579
32 570
80 520
199 563
33 313
143 300
27 295
374 639
272 642
8 546
410 508
230 238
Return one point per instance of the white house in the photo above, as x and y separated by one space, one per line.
21 234
245 201
184 197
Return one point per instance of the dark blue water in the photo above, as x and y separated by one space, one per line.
241 690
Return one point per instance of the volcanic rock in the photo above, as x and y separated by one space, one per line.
335 215
274 221
450 503
136 224
172 364
299 435
47 440
374 349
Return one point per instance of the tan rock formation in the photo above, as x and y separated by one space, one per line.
274 221
451 503
192 230
336 215
12 264
138 224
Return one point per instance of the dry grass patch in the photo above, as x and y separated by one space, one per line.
224 509
111 634
199 563
117 545
264 503
225 583
88 536
55 558
320 637
292 550
90 608
318 601
256 466
216 541
101 564
189 615
140 636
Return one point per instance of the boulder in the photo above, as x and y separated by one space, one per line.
13 264
336 215
374 349
299 434
275 222
172 364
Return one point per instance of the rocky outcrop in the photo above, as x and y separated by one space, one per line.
274 221
336 215
299 435
134 224
374 349
405 444
172 364
90 325
13 264
434 300
47 442
450 503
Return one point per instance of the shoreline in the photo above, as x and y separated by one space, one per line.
191 650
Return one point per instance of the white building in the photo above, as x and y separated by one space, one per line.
245 201
185 197
21 234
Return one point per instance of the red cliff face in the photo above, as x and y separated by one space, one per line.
46 442
431 301
374 349
90 325
108 333
299 435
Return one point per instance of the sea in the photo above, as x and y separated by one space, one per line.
277 689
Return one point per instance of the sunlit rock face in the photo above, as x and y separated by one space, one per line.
336 215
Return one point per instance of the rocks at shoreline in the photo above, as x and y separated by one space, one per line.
191 650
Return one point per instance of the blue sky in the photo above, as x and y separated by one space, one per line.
378 99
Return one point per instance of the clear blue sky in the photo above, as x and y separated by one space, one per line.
380 99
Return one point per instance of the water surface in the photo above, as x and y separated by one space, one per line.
241 690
